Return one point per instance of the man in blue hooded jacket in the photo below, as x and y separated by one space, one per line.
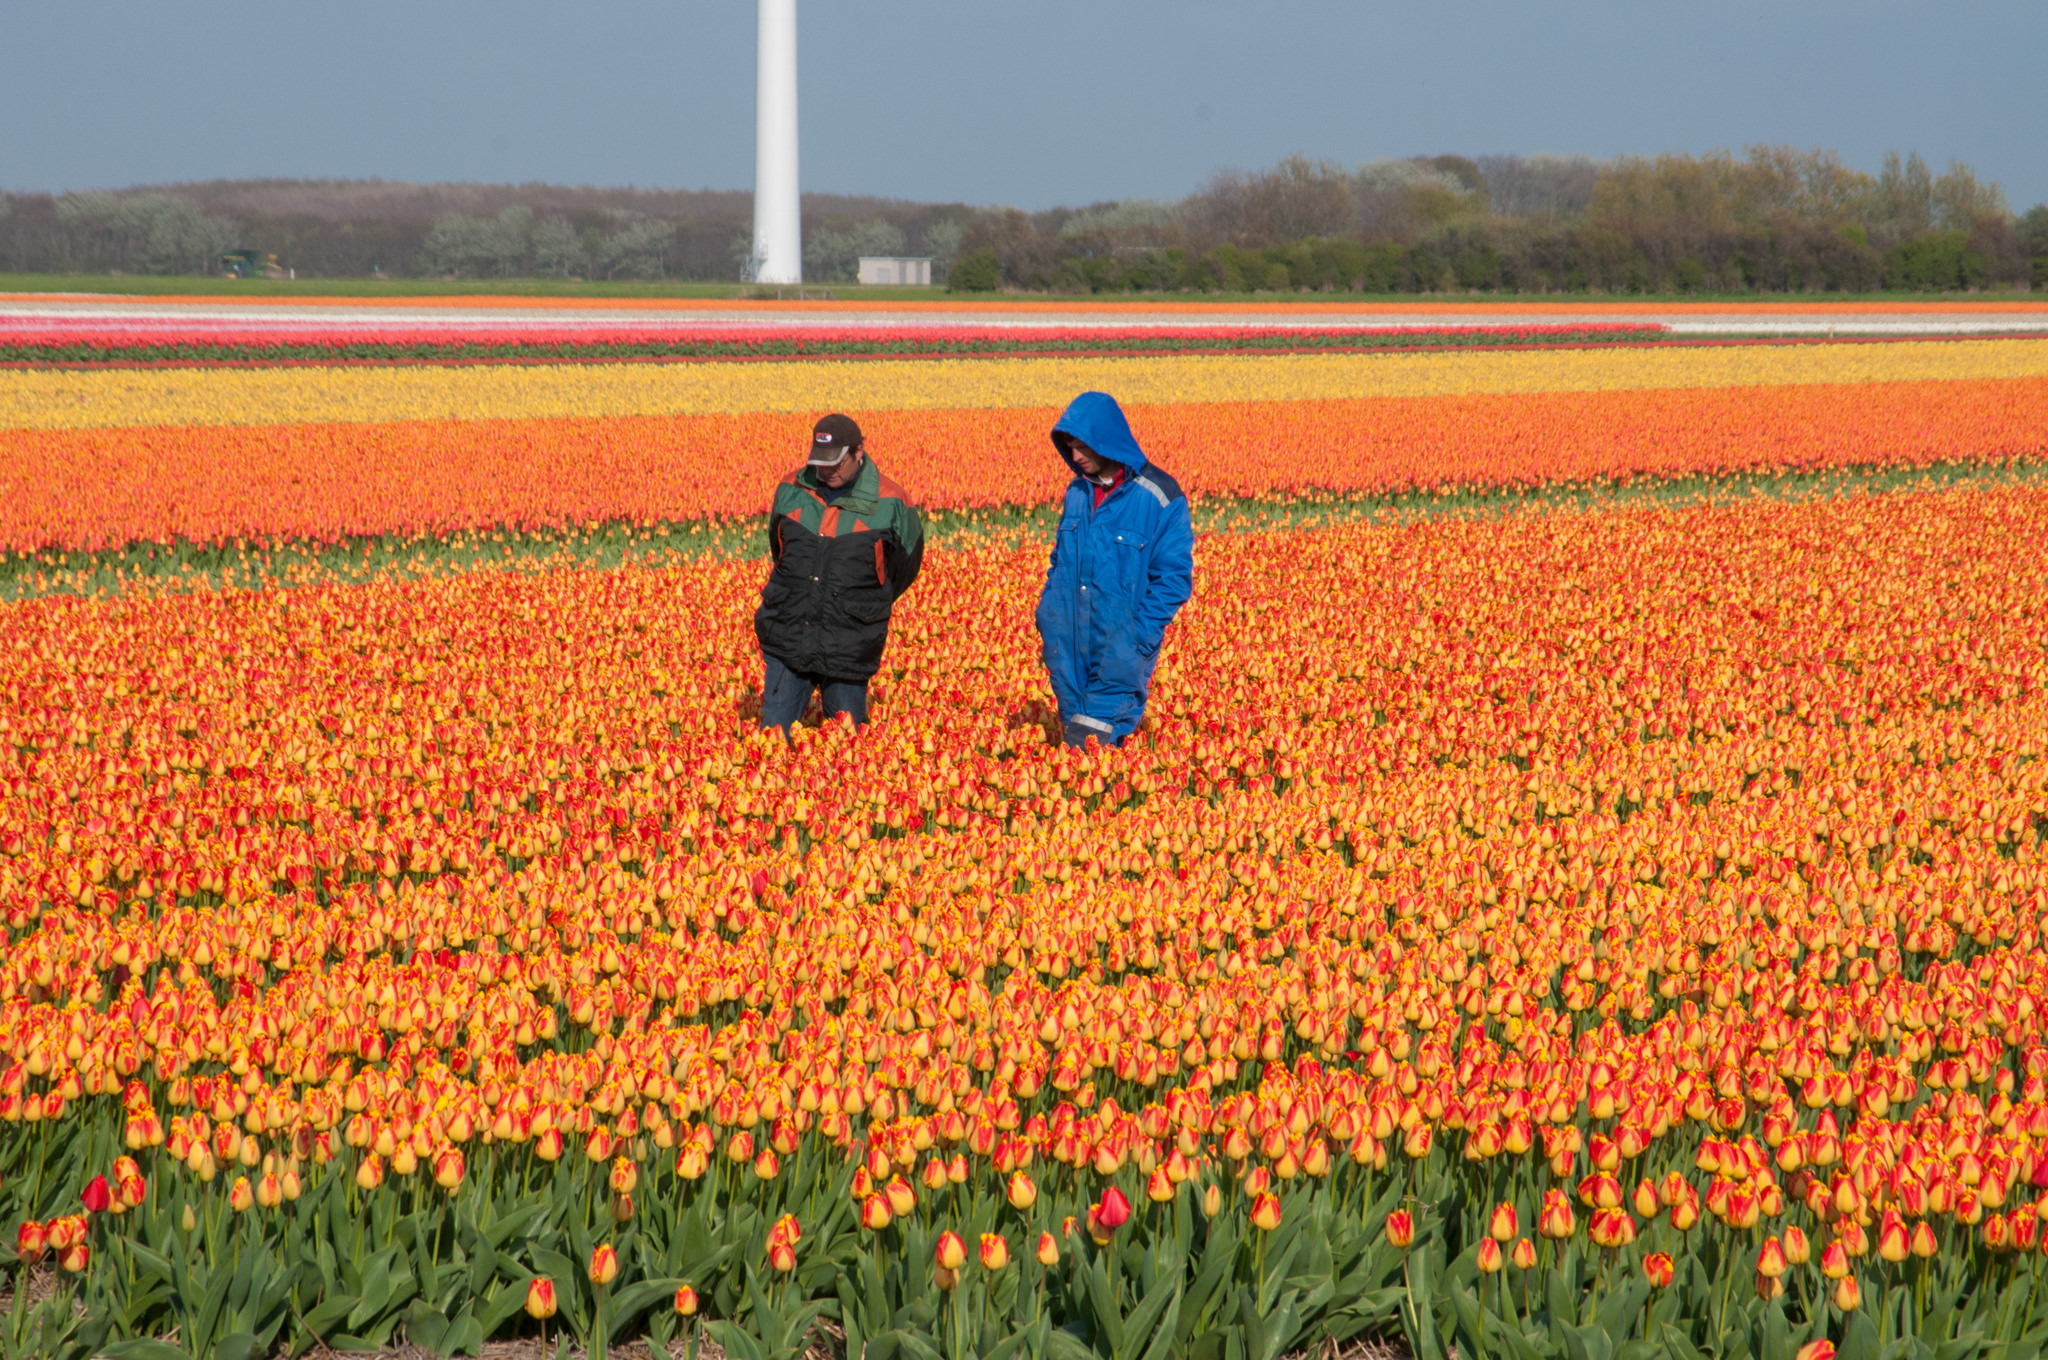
1122 566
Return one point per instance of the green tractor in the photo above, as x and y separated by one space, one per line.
249 264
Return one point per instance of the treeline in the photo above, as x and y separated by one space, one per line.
340 229
1774 220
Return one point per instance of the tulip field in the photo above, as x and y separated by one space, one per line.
1590 928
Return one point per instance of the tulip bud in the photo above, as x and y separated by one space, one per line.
782 1256
189 1220
1646 1202
692 1161
370 1174
1770 1259
1115 1210
902 1199
604 1264
448 1168
1557 1220
1489 1256
1023 1193
75 1257
30 1238
269 1191
547 1146
622 1208
1503 1226
1923 1244
1822 1349
1266 1211
1848 1294
1524 1255
97 1197
766 1166
1834 1260
1892 1242
995 1251
625 1175
540 1297
1797 1249
1400 1228
1212 1200
951 1252
874 1213
686 1301
1048 1250
1659 1269
1159 1187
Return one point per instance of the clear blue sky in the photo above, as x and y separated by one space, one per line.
1032 104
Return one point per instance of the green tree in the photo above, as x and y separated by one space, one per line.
558 250
976 272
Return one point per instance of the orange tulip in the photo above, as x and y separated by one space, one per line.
995 1251
1400 1227
951 1252
540 1297
604 1264
1556 1219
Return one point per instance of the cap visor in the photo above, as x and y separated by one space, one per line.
832 461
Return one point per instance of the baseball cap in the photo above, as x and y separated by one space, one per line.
831 438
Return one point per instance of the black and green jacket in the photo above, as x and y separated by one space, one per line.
838 570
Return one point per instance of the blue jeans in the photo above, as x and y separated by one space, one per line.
785 695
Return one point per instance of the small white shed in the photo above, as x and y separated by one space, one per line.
896 269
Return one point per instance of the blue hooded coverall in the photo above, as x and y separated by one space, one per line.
1119 573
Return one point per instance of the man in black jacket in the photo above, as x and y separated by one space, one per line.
847 543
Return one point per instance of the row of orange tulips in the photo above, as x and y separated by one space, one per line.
104 488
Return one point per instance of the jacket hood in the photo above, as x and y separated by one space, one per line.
1096 420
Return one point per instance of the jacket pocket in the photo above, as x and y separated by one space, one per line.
865 609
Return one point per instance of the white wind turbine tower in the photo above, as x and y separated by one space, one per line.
778 213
